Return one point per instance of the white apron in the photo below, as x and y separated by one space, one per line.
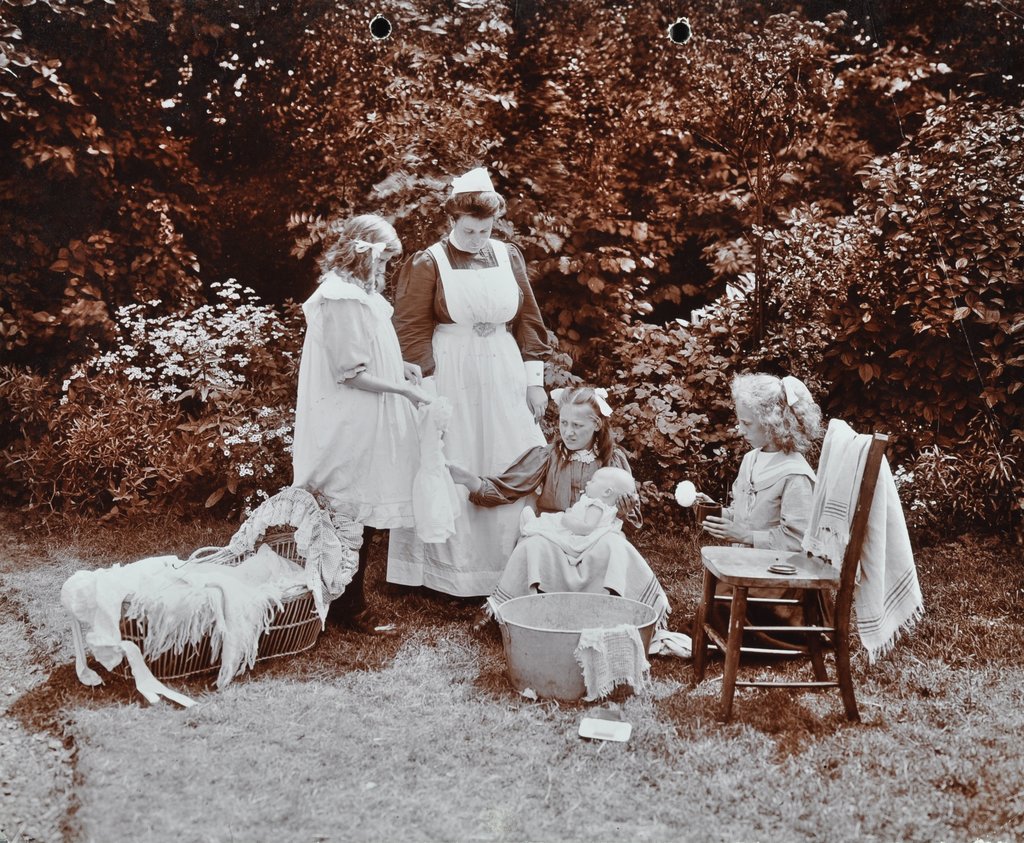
479 368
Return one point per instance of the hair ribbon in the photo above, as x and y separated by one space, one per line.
600 394
795 390
364 246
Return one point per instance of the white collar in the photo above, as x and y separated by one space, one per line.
583 455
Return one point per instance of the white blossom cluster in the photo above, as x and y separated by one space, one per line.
211 365
903 478
202 352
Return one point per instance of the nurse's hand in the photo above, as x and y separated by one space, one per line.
537 401
413 372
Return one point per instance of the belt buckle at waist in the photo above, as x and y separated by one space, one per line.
484 329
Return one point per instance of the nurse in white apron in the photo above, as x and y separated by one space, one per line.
466 314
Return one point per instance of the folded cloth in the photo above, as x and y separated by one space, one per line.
840 469
666 643
435 501
611 656
888 599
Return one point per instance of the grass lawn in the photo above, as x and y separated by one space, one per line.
420 738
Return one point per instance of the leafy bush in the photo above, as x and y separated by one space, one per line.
912 309
847 206
672 394
181 411
384 124
946 492
101 203
929 336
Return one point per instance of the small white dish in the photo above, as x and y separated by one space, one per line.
605 730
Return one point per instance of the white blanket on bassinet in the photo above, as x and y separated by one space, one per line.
180 603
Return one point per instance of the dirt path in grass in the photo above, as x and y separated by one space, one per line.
35 767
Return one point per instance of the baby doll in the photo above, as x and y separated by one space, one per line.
596 508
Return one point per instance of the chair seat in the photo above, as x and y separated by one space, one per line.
748 566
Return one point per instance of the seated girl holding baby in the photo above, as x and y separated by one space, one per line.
576 543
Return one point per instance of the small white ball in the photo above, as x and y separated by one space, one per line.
686 493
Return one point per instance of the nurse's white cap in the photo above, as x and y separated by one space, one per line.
475 181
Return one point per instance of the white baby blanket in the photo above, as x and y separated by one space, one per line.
93 600
181 603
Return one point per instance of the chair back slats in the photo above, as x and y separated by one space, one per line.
858 529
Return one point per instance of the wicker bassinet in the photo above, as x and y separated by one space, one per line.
295 524
295 626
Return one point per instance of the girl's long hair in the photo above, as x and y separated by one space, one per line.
789 428
340 253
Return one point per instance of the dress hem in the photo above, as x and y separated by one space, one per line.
467 586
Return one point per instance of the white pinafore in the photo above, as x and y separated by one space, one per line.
479 368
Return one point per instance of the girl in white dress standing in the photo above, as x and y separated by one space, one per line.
355 428
465 312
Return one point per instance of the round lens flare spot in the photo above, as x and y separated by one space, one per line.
380 27
680 32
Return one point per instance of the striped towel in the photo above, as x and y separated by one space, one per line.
888 597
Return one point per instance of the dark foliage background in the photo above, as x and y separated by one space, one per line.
832 189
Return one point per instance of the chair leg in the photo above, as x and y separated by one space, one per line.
699 637
843 672
812 617
737 620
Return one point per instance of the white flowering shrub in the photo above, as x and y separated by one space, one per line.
185 410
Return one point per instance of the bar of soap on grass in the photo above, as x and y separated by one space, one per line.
605 724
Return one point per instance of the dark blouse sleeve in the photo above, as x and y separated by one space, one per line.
414 317
619 460
516 481
528 326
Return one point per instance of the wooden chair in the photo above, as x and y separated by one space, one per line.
744 568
